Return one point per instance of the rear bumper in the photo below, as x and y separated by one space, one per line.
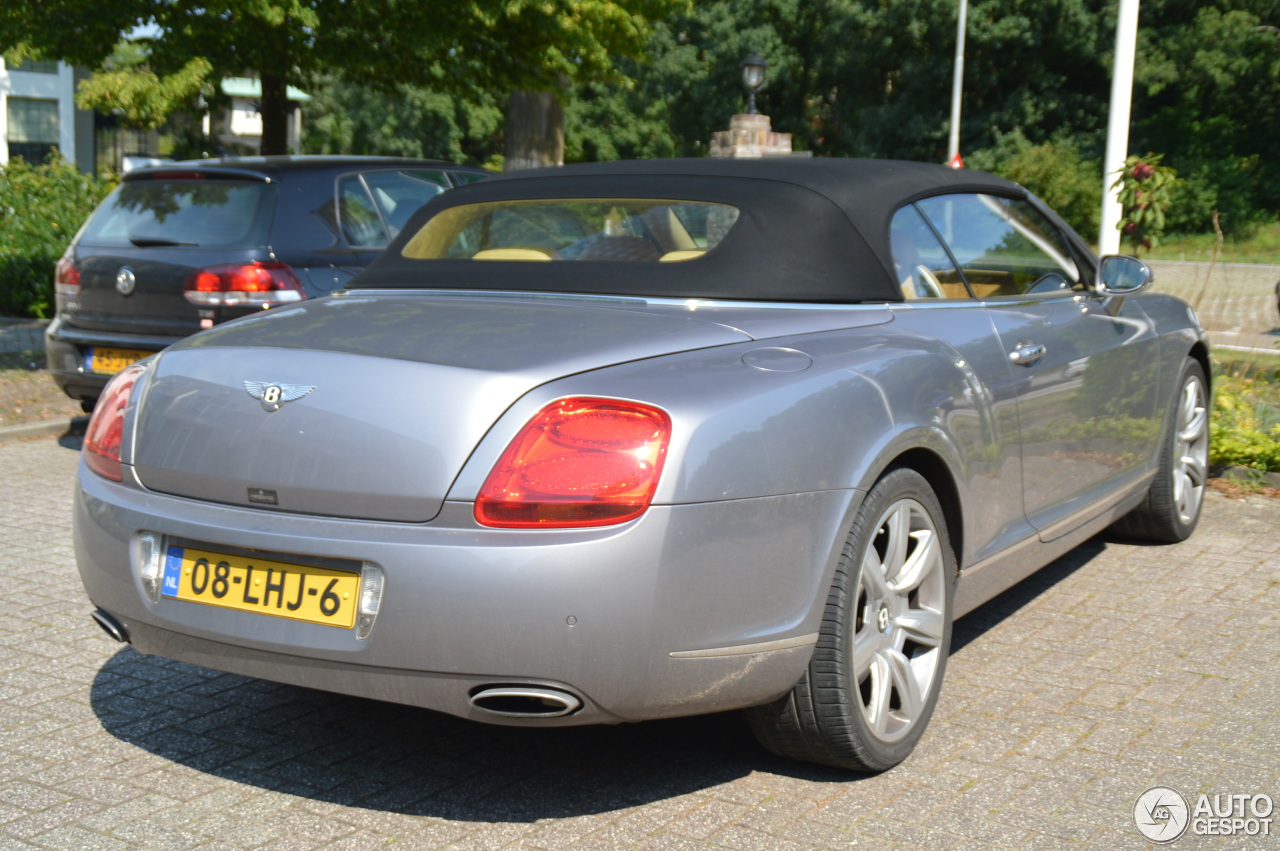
689 609
65 349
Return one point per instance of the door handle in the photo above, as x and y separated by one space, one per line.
1026 352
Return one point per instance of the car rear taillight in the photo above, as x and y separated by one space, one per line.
579 462
245 285
106 427
66 277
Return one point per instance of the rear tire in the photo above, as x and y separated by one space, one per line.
874 678
1171 509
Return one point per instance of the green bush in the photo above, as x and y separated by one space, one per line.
41 208
1245 429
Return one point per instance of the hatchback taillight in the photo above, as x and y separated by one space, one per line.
579 462
66 277
245 285
105 433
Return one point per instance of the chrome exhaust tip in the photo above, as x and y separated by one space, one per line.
111 626
526 701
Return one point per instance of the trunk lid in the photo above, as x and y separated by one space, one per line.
397 392
139 248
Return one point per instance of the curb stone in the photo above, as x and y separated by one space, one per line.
76 425
1246 475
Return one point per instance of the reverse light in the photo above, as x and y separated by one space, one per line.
66 277
256 284
105 433
371 585
578 462
148 559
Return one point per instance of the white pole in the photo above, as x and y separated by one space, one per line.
957 84
1118 126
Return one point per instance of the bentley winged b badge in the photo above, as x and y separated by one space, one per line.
272 396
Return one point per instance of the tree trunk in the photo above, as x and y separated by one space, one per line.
535 131
275 111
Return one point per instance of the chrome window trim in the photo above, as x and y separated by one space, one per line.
692 304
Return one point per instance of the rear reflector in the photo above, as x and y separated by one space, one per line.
579 462
249 285
106 427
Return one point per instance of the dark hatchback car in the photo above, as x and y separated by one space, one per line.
187 245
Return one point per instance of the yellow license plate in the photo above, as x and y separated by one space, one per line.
275 588
110 361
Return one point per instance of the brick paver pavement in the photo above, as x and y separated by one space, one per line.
1236 302
1115 669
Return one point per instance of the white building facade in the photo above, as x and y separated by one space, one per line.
38 114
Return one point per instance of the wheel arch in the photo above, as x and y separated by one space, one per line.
938 474
1200 352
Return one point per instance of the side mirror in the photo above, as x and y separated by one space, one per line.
1119 274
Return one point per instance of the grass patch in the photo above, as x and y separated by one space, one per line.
1263 246
27 392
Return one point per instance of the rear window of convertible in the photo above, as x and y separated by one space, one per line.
198 212
602 229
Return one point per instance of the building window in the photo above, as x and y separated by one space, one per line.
35 66
33 128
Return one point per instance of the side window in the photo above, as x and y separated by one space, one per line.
399 194
357 216
462 178
922 266
1004 247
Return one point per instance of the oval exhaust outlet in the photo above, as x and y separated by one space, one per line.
111 626
526 701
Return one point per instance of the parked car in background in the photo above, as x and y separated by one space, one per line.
186 245
635 440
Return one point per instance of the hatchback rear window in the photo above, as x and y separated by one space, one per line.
608 229
185 212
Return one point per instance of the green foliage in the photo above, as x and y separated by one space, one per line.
1245 429
141 97
452 46
1207 76
41 208
1146 190
349 118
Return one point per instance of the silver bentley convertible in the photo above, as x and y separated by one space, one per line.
634 440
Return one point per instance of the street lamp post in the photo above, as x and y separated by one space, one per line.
753 68
1118 125
957 85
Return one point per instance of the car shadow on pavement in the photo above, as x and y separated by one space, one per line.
382 756
1004 605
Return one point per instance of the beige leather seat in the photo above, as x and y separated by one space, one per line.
534 254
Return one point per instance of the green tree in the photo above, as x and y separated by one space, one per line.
349 118
452 46
1207 81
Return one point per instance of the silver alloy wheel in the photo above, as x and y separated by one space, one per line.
899 620
1191 450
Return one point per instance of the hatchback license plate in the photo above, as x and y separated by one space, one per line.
102 361
275 588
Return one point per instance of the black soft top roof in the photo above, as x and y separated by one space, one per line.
809 230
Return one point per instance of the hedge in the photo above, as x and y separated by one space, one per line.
41 208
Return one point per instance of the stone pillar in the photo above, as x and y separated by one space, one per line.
750 136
